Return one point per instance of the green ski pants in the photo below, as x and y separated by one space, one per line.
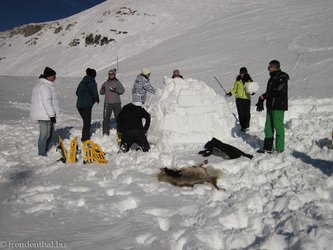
274 121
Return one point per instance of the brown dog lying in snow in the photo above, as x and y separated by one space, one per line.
188 177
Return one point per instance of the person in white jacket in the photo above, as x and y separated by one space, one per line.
45 108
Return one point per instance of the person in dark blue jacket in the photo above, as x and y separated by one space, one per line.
87 96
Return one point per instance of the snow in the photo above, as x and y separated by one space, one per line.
187 112
281 201
252 87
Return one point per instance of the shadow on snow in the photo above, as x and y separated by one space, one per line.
326 167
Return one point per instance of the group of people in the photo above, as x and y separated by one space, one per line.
45 106
276 97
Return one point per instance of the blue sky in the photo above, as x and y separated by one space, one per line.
15 13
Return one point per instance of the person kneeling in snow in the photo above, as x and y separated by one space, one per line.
129 125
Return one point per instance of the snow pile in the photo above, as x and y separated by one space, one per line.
252 87
187 112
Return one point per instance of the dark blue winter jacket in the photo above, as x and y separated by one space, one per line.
87 93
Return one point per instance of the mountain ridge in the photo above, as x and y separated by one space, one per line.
110 28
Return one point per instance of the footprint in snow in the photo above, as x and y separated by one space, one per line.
127 204
162 216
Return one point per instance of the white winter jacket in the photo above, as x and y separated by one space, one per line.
44 102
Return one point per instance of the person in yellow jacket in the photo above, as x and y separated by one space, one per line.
243 98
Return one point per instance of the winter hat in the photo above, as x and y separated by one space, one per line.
145 71
91 72
114 71
243 70
49 72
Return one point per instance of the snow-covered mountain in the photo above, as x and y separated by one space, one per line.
201 38
97 36
274 202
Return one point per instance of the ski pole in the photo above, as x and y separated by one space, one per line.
226 93
220 84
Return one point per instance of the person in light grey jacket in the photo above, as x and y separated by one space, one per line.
141 86
112 89
45 108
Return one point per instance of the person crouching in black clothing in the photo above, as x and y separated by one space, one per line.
129 124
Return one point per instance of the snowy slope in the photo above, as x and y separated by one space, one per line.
271 202
135 26
200 38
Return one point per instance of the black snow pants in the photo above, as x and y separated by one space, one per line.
243 109
86 117
134 136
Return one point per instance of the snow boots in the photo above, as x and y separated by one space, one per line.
268 146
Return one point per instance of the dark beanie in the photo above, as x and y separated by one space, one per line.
243 70
49 72
91 72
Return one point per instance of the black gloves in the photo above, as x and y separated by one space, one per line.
260 105
228 94
53 120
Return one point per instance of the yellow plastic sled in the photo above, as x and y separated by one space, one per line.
92 152
62 149
73 151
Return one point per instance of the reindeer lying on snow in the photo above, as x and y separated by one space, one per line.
188 177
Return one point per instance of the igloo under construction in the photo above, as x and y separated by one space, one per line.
187 113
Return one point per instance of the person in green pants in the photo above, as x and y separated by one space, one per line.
276 97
